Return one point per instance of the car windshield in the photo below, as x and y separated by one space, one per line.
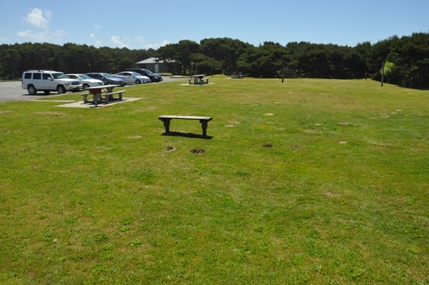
148 71
107 75
135 73
84 76
59 75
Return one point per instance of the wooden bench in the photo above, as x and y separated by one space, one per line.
106 97
203 120
109 96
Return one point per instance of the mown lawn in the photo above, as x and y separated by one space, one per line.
306 182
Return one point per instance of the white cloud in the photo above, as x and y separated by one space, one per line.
139 39
157 46
43 36
39 18
118 42
97 42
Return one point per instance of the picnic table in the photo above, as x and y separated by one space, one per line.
198 79
238 75
99 96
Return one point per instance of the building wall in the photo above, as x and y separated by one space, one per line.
156 67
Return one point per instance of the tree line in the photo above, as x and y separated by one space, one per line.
68 58
399 60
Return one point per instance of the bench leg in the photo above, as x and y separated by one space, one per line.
204 126
85 98
167 125
120 96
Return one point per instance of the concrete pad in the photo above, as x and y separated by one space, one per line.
80 104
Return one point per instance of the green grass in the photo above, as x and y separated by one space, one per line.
93 196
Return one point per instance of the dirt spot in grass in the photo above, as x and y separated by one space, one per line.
344 123
296 146
51 113
267 145
317 124
134 137
170 148
197 150
152 108
330 194
232 125
313 131
342 142
268 114
5 111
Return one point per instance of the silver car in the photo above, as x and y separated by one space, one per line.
131 77
85 80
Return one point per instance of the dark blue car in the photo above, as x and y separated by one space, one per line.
106 78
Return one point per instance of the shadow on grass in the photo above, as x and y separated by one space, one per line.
187 135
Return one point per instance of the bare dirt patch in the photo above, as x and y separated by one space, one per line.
51 113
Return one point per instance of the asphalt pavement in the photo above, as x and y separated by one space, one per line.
12 91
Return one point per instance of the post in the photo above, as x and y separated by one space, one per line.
95 97
382 74
283 72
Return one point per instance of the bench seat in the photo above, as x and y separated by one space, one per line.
203 120
109 96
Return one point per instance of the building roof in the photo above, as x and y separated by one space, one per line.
150 60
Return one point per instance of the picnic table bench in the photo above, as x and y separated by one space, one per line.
203 120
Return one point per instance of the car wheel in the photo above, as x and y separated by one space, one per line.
85 86
47 92
138 82
61 89
32 90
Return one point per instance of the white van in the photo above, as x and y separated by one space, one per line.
47 81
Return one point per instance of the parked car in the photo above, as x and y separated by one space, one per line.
131 77
47 81
85 80
106 78
146 72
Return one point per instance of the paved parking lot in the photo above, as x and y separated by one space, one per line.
12 91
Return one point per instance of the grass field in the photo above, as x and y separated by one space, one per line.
306 182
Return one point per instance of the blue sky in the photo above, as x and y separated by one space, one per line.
151 24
